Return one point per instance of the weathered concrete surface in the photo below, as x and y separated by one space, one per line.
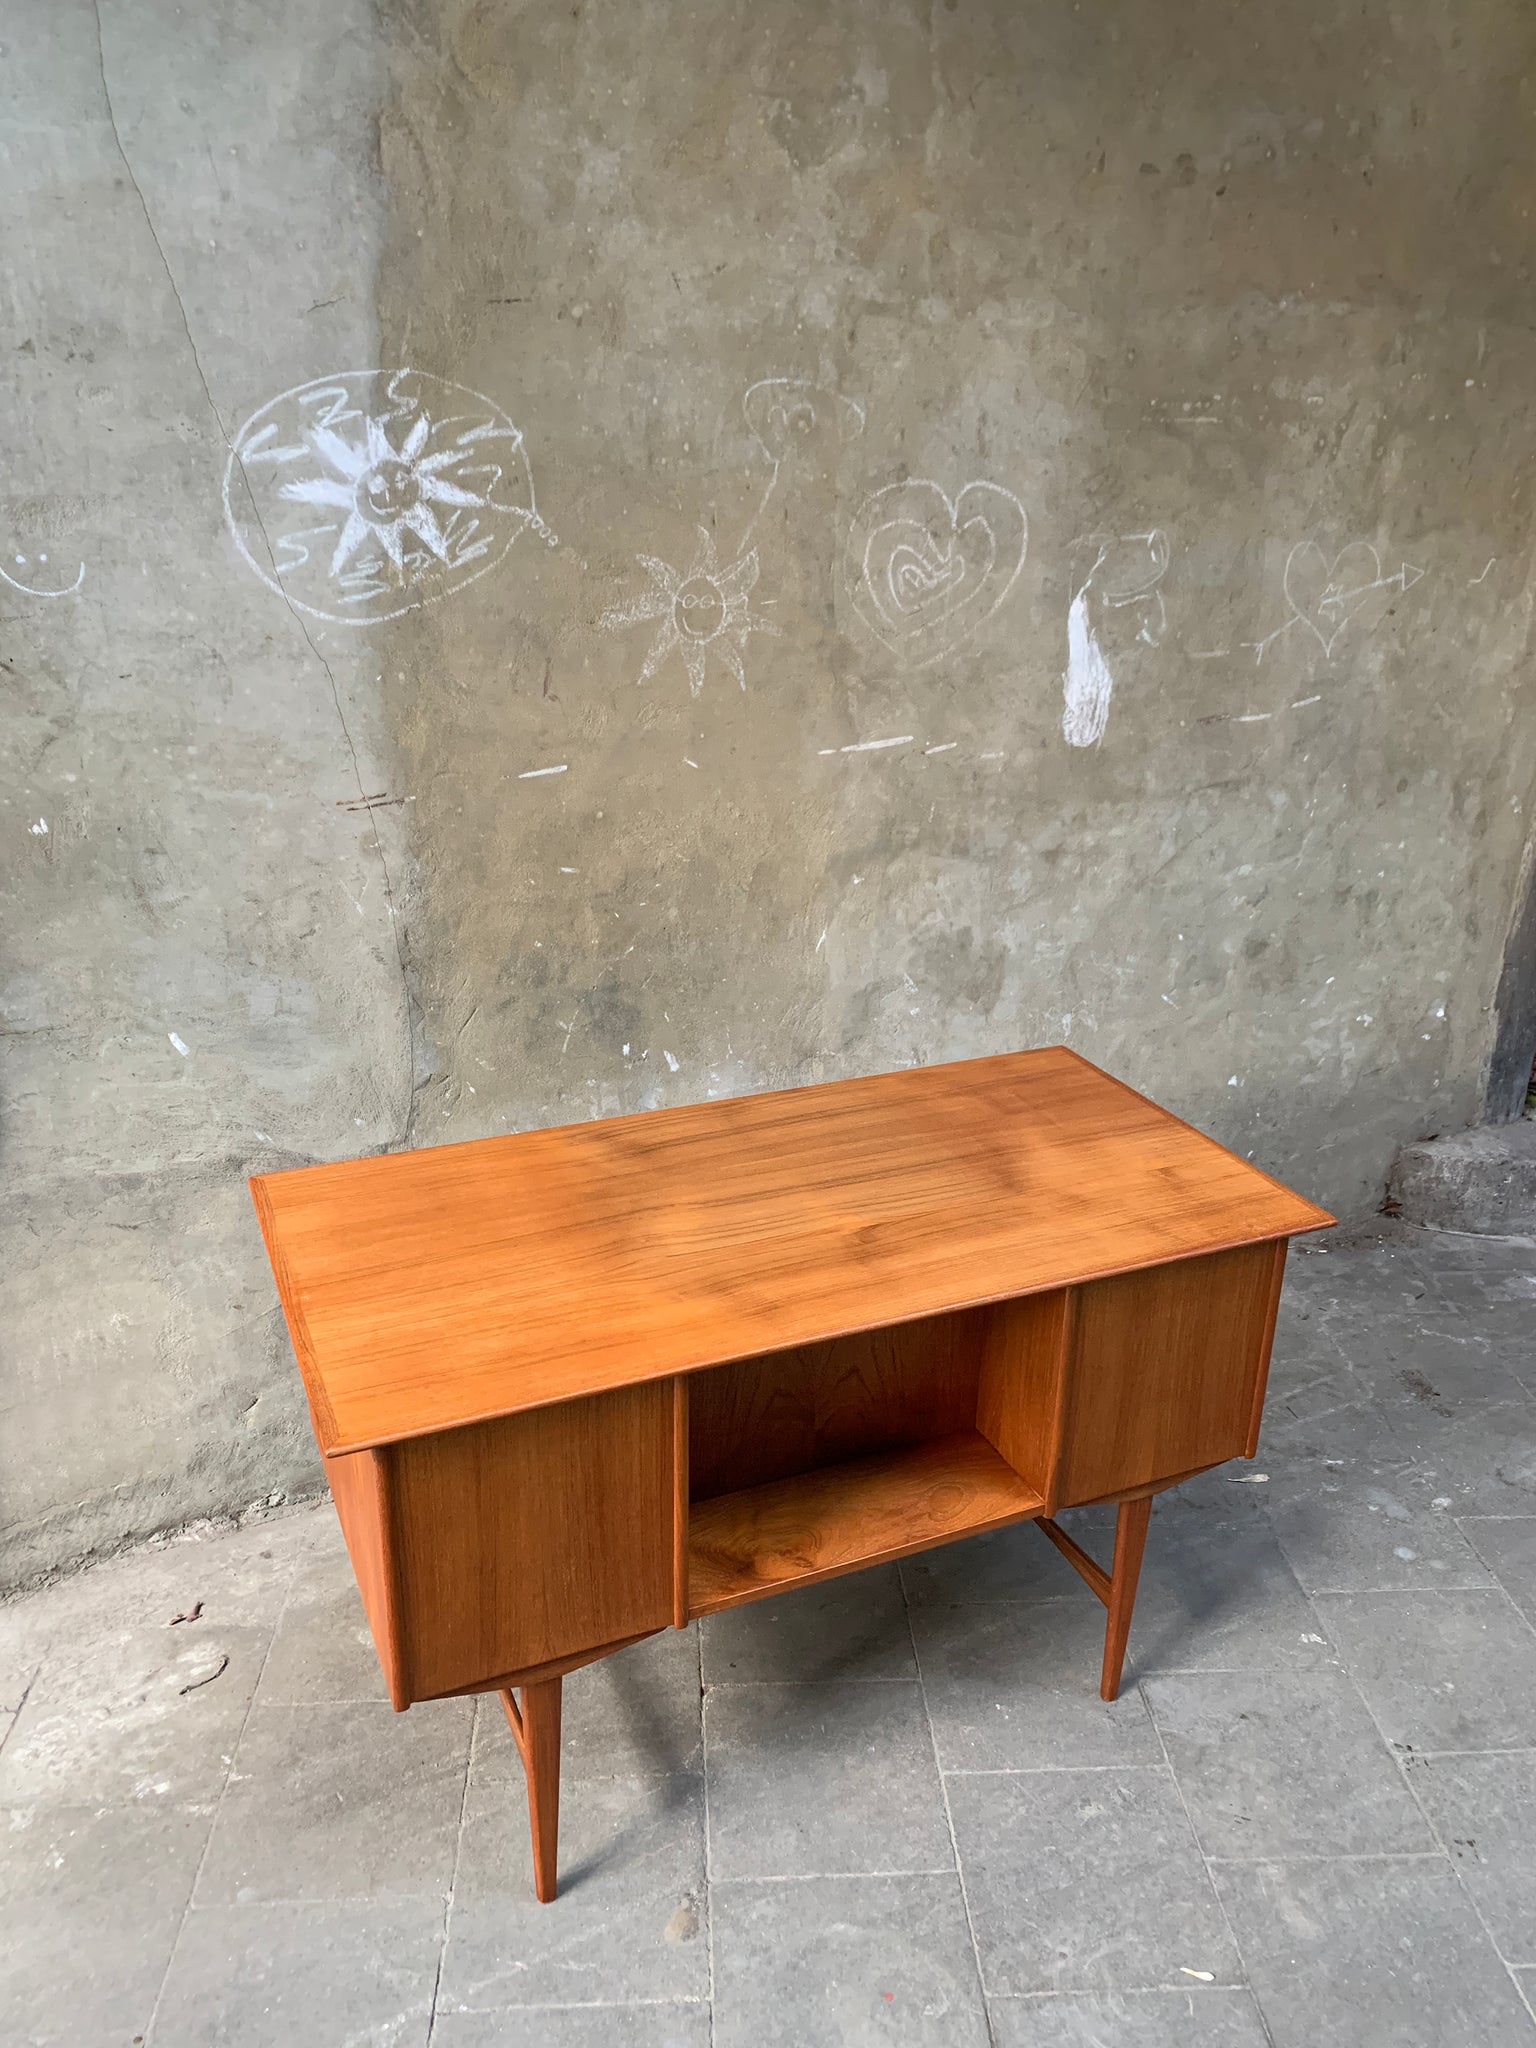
1255 282
184 743
1471 1180
1210 274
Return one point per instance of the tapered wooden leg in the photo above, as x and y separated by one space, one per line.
535 1725
1130 1541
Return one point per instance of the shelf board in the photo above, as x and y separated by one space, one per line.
742 1546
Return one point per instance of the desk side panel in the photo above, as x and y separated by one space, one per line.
1167 1368
360 1490
1020 1398
534 1537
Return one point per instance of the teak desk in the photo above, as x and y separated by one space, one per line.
578 1385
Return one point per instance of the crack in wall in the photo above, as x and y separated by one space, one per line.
413 1012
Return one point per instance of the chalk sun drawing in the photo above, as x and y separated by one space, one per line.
1325 595
926 571
29 588
359 497
1127 570
704 610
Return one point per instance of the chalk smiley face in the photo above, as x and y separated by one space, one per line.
699 608
35 576
387 491
787 415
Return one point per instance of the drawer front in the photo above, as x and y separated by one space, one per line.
532 1537
1167 1370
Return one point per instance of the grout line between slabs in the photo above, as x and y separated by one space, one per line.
744 1684
1119 1991
1194 1835
453 1876
218 1805
1399 1760
828 1876
1043 1770
709 1854
949 1818
584 2005
1323 1856
1519 1749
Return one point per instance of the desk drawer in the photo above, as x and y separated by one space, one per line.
503 1545
1167 1371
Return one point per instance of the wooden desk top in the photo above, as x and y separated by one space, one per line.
428 1289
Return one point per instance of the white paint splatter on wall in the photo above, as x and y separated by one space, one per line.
1127 569
1087 684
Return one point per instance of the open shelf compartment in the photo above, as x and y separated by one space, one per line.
815 1525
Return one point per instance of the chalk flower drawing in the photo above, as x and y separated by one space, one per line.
1325 595
926 571
704 609
1127 568
360 496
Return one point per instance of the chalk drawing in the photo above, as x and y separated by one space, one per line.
704 610
785 415
359 497
39 572
1127 569
927 571
1324 596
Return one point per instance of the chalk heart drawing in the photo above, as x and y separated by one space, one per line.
703 610
927 570
786 413
361 496
1325 594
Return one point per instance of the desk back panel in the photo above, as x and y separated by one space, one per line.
785 1412
531 1538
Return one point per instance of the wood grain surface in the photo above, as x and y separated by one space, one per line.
758 1419
1164 1370
842 1517
1022 1392
429 1289
532 1537
362 1496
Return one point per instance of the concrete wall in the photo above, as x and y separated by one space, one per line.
1180 352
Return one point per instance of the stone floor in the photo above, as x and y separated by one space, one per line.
890 1810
